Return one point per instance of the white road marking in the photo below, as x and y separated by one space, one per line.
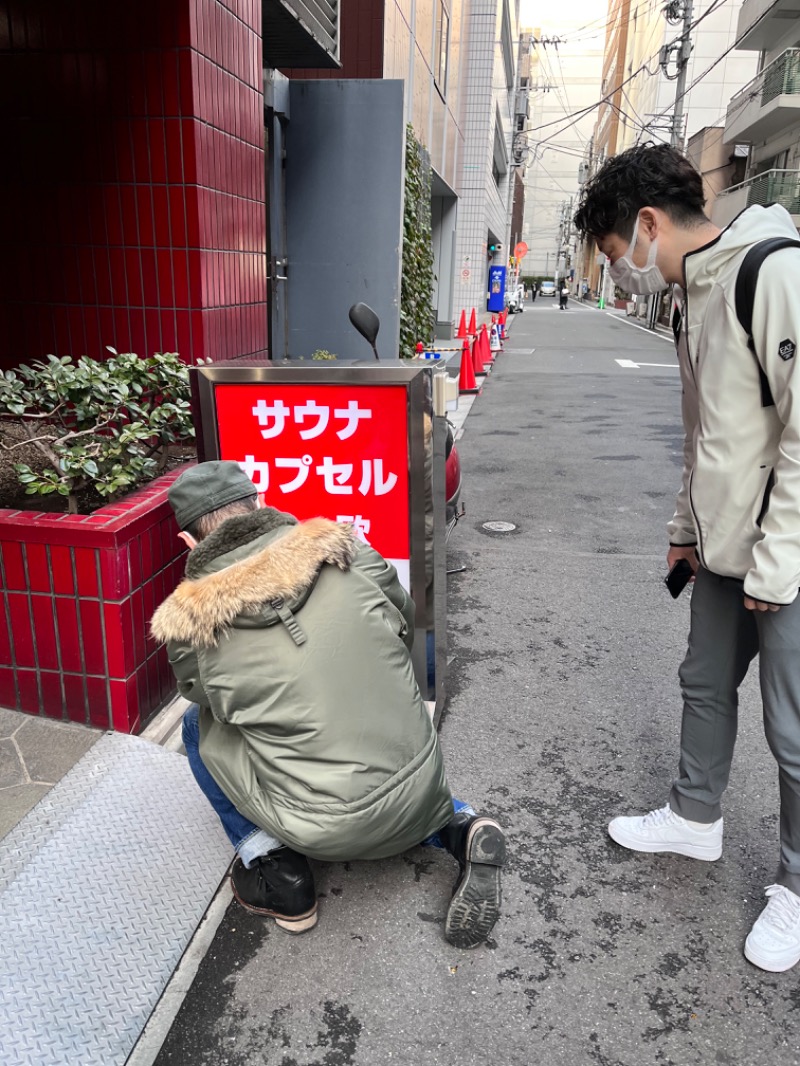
628 364
652 332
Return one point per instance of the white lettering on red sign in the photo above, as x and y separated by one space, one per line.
273 417
315 418
361 526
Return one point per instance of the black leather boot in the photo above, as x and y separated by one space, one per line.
279 885
479 846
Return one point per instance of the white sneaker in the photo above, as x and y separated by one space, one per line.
774 941
663 830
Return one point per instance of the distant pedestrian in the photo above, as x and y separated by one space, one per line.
737 522
534 291
563 296
308 734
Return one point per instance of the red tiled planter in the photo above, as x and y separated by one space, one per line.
78 592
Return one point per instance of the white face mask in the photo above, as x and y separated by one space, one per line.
639 281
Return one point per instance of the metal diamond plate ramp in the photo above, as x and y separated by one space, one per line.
102 886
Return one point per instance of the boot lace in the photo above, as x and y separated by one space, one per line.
783 910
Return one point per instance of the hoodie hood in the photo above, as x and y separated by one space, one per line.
754 224
254 588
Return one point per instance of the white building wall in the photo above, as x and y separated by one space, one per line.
706 104
565 81
487 102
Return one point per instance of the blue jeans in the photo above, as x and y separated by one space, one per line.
248 840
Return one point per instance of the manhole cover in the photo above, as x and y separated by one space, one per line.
499 527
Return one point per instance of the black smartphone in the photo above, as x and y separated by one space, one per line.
679 577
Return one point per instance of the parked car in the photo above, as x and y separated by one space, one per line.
547 288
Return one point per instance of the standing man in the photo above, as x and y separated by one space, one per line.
737 521
563 295
309 735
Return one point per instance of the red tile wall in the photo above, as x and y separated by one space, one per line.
360 44
76 597
135 207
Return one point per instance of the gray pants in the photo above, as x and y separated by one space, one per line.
724 638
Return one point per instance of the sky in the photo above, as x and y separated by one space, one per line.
558 19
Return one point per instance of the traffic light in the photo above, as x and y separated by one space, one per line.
494 247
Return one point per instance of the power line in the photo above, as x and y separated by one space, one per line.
565 101
576 116
717 61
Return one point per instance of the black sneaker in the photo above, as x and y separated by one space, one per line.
279 885
479 845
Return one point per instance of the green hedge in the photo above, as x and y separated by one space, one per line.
416 289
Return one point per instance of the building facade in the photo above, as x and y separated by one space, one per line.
224 178
639 89
565 79
137 184
488 101
765 114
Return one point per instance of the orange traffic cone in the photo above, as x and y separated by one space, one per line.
466 378
472 329
477 356
462 326
486 353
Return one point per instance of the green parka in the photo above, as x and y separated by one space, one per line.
294 640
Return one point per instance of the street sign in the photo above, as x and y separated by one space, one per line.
353 443
520 250
326 450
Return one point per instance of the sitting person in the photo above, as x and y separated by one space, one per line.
309 736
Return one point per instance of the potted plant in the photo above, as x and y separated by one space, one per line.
88 546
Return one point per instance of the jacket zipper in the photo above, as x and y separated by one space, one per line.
685 326
697 528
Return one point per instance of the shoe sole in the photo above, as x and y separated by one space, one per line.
300 923
771 966
475 906
703 852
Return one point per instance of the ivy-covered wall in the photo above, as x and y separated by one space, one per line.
416 290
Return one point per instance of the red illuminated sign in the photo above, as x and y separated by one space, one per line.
325 450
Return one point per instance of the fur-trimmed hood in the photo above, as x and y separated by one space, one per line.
205 604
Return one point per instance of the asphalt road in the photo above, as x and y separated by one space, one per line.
564 711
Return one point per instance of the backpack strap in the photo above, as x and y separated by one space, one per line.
746 281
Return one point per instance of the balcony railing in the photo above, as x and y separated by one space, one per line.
301 33
748 111
782 76
771 187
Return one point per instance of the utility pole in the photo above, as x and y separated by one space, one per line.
559 240
678 11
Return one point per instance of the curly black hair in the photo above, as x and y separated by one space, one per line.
650 175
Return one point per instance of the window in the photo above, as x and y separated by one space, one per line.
507 46
442 47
